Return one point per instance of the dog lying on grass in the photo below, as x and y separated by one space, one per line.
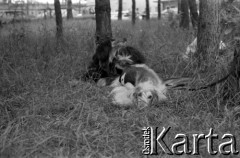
139 85
110 58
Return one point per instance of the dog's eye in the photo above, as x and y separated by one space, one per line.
140 94
150 97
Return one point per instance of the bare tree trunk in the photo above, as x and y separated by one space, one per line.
119 9
133 11
193 12
159 9
147 10
58 14
27 7
103 20
50 13
184 23
179 6
208 31
69 9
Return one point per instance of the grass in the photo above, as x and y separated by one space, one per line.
42 115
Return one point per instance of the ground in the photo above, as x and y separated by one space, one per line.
44 115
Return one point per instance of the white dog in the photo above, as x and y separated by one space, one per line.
139 85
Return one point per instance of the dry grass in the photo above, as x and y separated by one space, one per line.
42 115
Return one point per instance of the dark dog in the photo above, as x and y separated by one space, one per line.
111 58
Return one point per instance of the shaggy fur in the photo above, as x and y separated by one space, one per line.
99 66
124 56
139 85
110 61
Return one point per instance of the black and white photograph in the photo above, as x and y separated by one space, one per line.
119 78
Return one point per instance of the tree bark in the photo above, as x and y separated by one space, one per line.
193 12
179 6
184 23
119 9
208 31
103 20
27 7
58 14
69 9
133 11
159 9
147 10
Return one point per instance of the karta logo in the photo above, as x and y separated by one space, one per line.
153 141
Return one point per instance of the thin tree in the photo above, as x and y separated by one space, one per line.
58 15
103 20
27 7
147 10
193 12
119 9
133 11
179 6
159 9
184 22
69 9
208 36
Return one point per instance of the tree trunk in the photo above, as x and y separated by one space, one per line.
133 11
58 18
159 9
69 9
103 20
179 6
50 13
147 10
208 31
119 9
184 23
193 12
27 7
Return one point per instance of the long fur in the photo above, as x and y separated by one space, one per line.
123 95
99 66
138 85
146 86
111 58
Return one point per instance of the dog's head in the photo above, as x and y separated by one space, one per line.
144 98
148 94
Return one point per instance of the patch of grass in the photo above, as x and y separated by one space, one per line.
42 115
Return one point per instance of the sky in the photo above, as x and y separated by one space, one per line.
127 4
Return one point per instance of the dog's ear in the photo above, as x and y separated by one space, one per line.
177 83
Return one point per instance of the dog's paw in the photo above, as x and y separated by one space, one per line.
101 82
